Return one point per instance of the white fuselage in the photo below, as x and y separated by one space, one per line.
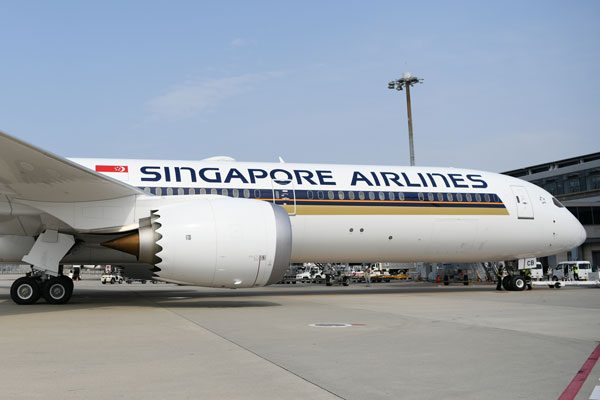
343 213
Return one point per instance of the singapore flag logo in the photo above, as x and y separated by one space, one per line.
120 172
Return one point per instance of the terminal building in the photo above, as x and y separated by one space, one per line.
576 183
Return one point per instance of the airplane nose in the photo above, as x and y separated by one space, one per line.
578 234
582 234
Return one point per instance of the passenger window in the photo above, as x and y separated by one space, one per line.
158 191
257 193
450 198
478 197
421 196
147 190
458 196
180 191
341 195
225 192
235 193
430 197
401 196
487 198
469 197
320 195
246 193
330 195
310 194
213 191
371 196
440 196
351 195
381 195
361 195
169 191
202 191
391 196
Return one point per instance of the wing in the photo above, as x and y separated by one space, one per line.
29 173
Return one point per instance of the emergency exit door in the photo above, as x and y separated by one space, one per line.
524 206
285 195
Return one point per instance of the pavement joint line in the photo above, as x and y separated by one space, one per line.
236 344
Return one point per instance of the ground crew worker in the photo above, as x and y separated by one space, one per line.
576 272
499 276
367 275
527 276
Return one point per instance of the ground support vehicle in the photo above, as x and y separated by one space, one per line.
459 277
289 279
559 284
142 281
312 275
400 276
593 280
380 276
341 275
111 278
566 271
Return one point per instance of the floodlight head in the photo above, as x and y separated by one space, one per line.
391 85
407 75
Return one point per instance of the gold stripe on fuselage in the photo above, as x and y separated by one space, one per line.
387 210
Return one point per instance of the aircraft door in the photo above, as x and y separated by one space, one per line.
284 193
524 206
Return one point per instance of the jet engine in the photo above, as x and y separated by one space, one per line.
228 242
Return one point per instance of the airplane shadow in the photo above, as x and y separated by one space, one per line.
188 297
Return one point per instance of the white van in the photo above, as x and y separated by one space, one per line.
564 270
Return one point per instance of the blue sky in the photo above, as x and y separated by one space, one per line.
507 84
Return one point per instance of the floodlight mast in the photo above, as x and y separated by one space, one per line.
407 81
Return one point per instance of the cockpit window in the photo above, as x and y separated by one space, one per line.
557 203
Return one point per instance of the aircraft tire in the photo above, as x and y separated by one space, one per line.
58 290
506 284
518 283
25 290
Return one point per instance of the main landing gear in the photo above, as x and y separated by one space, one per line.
46 278
29 289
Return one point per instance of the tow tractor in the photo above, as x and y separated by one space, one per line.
516 281
593 280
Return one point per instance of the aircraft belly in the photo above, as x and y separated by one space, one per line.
406 238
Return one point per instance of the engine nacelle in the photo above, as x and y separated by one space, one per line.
226 242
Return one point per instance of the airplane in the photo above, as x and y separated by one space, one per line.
227 224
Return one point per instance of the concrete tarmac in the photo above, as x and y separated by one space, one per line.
399 341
